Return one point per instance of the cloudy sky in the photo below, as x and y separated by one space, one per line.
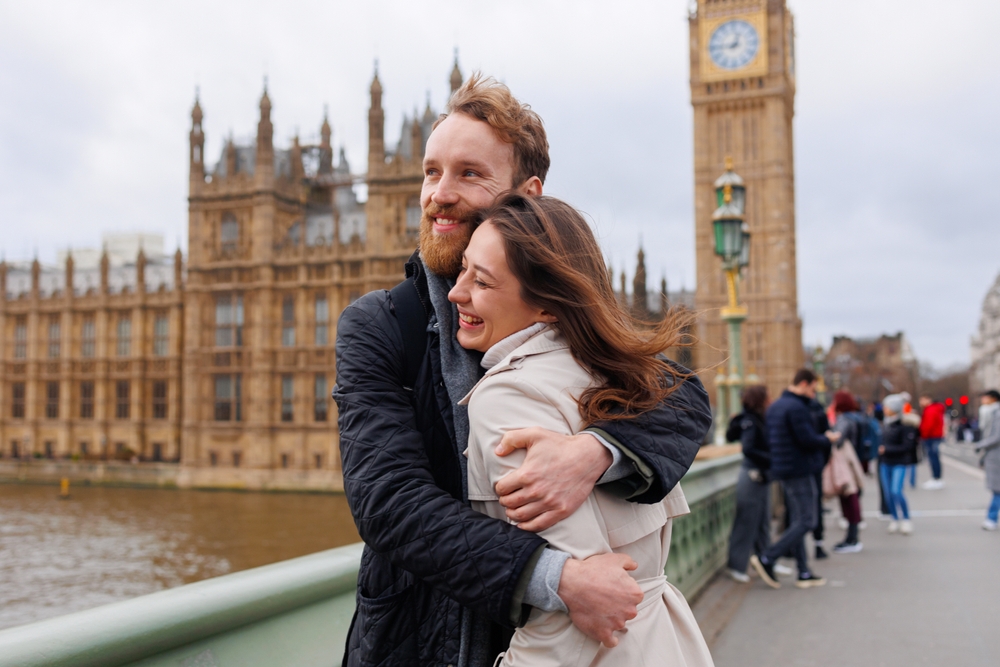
895 130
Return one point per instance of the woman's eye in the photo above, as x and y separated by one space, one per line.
480 283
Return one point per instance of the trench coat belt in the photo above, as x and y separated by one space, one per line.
652 590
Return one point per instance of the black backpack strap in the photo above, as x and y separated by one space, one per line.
412 318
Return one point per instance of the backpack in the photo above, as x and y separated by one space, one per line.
412 319
735 429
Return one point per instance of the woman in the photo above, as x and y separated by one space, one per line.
534 296
752 524
989 445
846 414
897 452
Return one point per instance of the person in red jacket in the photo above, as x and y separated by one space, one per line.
931 433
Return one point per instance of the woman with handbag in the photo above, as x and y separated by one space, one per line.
844 471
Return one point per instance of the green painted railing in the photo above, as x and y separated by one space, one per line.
297 612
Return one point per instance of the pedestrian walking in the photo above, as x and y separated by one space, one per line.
898 452
797 455
931 434
822 424
752 525
989 445
843 475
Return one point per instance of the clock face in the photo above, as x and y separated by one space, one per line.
733 45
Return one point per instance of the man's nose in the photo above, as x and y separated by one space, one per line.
446 192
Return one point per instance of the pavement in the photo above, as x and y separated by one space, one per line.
930 598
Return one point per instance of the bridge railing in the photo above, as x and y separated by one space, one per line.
297 612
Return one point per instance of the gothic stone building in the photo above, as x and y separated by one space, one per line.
984 349
224 364
743 94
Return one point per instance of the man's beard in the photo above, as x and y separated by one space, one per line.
442 253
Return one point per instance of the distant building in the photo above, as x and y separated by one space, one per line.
224 362
984 350
871 368
651 306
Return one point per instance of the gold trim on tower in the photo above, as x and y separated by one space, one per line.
757 66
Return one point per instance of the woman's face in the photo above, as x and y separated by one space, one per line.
488 296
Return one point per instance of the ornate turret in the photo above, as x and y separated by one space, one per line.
325 146
455 80
639 302
105 265
416 139
624 293
69 274
230 157
298 172
36 277
664 301
178 268
376 125
197 139
3 280
264 166
140 272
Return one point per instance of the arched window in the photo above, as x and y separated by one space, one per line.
229 233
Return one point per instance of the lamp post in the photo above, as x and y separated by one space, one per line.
732 245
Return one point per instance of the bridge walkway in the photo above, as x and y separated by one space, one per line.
931 598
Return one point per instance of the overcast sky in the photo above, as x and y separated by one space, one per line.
896 133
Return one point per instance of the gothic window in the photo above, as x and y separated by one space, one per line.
228 398
52 400
160 399
122 392
413 215
229 320
322 320
87 338
157 451
287 394
123 332
229 233
288 321
321 405
21 338
55 337
17 400
86 400
161 335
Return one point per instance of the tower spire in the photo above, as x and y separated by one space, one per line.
456 75
376 125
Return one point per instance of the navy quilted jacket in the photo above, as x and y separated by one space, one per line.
427 552
797 450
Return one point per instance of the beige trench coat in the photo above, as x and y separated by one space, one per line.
538 385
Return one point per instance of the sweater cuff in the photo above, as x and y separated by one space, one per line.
639 477
542 591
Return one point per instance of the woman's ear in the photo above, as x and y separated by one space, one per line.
547 317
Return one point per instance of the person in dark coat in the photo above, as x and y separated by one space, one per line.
798 452
898 452
439 583
752 523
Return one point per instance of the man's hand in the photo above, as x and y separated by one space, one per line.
833 436
557 475
600 595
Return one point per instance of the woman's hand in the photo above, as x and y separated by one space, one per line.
558 473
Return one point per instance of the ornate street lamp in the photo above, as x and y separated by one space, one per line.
732 245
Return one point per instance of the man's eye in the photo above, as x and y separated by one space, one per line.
470 174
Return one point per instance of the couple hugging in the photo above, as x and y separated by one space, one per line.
511 442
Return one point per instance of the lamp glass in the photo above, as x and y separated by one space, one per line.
745 250
728 238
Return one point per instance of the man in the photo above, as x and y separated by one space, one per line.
440 583
931 434
798 452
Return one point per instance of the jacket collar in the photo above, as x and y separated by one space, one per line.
547 339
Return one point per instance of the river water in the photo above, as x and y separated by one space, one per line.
109 544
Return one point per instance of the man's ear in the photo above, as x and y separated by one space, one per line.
531 187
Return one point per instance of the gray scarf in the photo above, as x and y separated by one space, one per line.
460 370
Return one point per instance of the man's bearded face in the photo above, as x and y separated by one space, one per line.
442 253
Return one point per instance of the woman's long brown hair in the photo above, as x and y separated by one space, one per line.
553 253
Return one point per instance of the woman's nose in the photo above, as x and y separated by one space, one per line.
458 293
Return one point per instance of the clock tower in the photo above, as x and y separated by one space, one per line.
743 94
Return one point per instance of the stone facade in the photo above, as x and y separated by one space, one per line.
238 342
872 368
984 350
744 102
